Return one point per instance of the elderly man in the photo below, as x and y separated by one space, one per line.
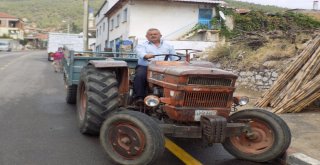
146 52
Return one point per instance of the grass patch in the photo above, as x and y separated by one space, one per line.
246 58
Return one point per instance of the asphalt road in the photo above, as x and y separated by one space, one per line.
37 127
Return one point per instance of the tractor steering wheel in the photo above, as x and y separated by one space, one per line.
166 56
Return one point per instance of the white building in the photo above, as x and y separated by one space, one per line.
130 19
11 26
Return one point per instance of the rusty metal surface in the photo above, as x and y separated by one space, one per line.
196 131
190 88
214 128
182 68
170 84
181 131
209 99
123 80
83 101
127 140
258 141
196 80
187 114
109 63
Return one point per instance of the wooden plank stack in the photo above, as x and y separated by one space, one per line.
298 85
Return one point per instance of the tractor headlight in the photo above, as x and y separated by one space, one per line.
152 101
243 100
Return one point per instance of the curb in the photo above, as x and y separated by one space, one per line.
301 159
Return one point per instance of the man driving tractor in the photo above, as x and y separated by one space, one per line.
145 52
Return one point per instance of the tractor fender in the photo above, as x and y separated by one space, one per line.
108 63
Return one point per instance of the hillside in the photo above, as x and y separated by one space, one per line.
252 6
49 13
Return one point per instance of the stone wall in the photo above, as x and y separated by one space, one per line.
257 80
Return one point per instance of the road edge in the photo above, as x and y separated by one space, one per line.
297 158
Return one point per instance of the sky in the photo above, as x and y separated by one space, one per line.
292 4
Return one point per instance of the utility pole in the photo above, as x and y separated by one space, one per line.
85 24
68 27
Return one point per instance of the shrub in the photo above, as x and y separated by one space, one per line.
220 51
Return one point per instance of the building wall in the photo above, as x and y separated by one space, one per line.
102 33
121 31
4 22
173 20
15 32
111 3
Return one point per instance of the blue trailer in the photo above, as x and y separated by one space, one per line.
74 61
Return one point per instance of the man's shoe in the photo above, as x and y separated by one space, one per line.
139 101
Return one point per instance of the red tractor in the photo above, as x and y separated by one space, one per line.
186 99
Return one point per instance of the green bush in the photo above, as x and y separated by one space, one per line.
260 21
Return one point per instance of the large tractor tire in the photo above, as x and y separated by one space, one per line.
132 138
270 136
97 97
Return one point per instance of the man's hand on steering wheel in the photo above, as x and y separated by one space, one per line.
149 56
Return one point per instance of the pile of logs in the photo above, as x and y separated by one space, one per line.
298 85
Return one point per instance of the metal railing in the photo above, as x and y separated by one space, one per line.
207 24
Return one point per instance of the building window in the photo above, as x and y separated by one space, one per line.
205 16
100 30
125 15
104 26
118 20
12 24
112 24
97 32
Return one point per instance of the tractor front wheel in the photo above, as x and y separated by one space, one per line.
268 136
131 138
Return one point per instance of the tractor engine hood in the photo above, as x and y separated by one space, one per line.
178 68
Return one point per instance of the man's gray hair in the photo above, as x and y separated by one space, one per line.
153 29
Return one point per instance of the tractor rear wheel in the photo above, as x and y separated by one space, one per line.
132 138
97 97
268 139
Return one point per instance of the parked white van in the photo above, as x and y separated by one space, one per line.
5 45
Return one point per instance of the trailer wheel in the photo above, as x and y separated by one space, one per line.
97 97
270 136
71 97
132 138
